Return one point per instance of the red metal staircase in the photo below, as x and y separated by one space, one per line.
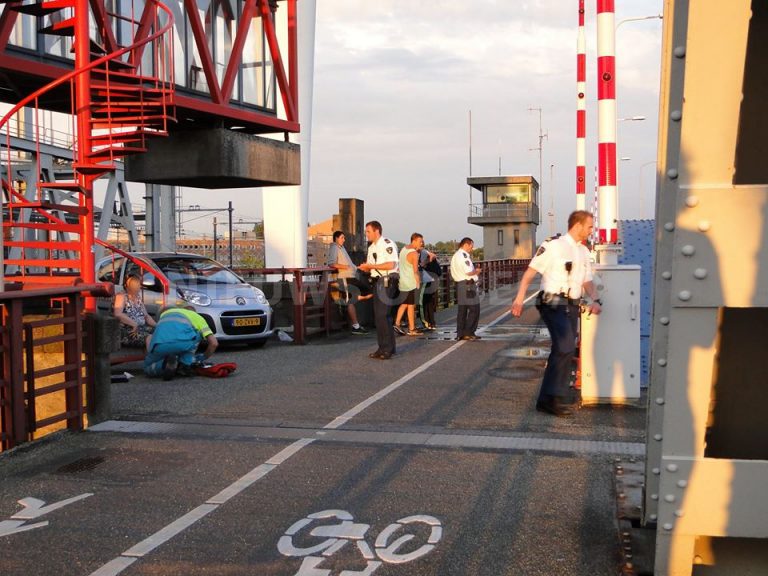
119 98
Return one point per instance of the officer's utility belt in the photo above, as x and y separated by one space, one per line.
552 299
388 280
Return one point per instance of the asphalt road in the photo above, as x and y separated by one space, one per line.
318 461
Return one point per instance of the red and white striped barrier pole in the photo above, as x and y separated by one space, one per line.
606 121
581 112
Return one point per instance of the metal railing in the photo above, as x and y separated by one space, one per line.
309 291
47 372
493 275
524 211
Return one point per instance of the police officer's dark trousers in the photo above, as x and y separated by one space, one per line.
562 321
382 302
469 308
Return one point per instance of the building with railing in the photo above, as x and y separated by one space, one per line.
509 215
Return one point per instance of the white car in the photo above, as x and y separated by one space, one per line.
235 310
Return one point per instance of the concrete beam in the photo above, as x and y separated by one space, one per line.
216 158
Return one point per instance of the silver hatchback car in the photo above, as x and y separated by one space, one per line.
234 310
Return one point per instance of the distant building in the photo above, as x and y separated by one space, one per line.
509 215
247 250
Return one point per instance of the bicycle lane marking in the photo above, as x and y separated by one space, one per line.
146 546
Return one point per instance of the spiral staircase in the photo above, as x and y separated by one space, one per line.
119 98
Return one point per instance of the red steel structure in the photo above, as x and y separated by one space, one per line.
606 129
120 90
581 112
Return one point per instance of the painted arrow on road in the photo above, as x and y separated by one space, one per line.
34 508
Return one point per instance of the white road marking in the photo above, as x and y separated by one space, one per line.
117 565
164 534
33 508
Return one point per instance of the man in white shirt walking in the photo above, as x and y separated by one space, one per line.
465 274
566 272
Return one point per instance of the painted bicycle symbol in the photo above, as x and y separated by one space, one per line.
321 540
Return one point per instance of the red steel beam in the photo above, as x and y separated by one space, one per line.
145 25
7 21
277 61
202 48
236 56
293 53
103 25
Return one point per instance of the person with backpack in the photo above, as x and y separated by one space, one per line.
430 283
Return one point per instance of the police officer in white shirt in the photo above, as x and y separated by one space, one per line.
382 264
465 274
566 272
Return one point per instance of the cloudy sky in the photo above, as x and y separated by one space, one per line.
395 81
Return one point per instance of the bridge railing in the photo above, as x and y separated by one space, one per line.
46 361
493 275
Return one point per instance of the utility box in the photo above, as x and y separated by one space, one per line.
610 342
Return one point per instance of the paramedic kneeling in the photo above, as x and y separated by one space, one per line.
174 343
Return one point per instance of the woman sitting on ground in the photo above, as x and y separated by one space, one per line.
135 324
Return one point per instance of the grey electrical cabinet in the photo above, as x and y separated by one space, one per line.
610 342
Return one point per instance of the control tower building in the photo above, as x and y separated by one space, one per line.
509 215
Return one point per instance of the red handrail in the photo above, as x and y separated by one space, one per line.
93 64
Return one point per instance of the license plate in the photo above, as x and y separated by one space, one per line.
240 322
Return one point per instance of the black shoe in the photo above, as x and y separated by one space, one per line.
380 356
186 370
398 329
554 407
170 364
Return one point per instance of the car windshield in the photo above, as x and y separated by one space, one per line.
195 271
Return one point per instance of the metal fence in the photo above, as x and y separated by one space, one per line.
46 353
493 275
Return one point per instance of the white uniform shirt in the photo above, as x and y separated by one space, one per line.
381 252
461 266
550 262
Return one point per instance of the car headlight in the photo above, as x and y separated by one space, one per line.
196 298
260 298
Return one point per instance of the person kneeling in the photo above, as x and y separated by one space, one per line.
173 345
